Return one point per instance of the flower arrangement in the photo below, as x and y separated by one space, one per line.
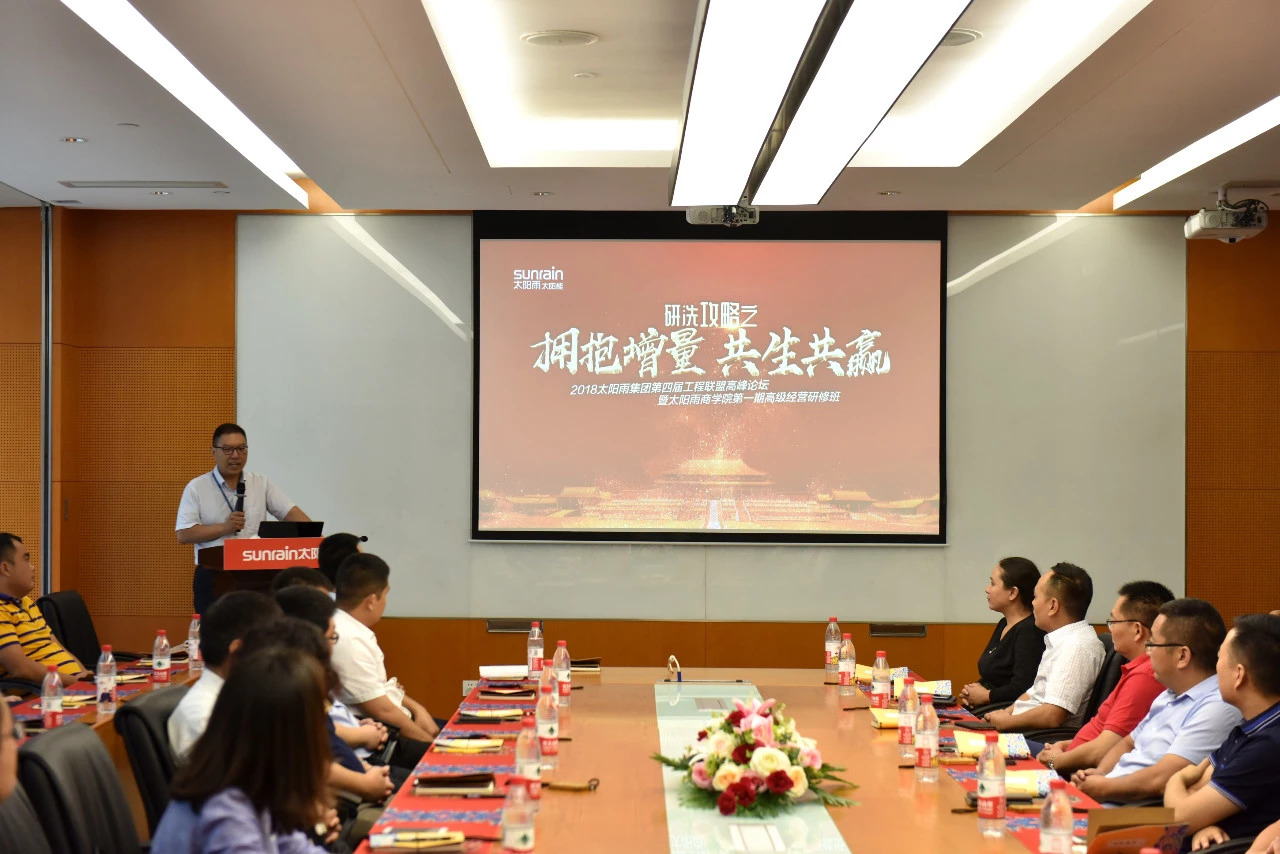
753 761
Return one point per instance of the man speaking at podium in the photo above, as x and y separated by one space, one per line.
227 502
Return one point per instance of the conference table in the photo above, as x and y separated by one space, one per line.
613 729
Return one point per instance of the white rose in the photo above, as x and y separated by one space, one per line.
799 782
766 760
726 776
721 744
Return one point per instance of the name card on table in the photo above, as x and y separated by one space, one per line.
271 554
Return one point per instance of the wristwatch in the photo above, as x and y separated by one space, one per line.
1050 762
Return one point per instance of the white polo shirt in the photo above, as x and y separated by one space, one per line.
207 500
191 716
1072 658
359 663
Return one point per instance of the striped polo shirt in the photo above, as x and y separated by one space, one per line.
22 623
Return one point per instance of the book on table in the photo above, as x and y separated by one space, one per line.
473 785
585 665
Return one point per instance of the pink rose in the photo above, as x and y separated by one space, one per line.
810 757
754 779
698 774
763 733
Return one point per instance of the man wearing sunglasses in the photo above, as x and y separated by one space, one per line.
211 510
1185 724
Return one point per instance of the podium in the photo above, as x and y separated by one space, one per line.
252 564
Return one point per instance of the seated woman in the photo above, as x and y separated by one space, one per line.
1008 664
255 781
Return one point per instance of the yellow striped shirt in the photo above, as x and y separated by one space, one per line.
22 623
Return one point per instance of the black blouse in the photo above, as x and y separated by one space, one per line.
1007 667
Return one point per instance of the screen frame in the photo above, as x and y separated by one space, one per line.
782 226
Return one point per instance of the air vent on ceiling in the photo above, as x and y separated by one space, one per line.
65 202
144 185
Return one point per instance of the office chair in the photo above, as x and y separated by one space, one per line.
143 724
71 624
18 822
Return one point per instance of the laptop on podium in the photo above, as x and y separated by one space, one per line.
273 530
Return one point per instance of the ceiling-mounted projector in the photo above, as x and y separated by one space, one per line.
1229 222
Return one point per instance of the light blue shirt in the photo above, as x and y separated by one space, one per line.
342 715
1192 725
226 823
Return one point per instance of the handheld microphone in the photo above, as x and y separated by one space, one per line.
240 496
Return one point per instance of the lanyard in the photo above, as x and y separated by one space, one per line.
223 492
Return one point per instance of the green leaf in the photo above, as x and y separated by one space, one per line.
681 764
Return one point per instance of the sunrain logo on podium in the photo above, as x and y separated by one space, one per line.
271 554
550 279
293 556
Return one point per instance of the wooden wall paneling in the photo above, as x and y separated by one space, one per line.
20 254
1232 298
1233 420
1233 549
431 657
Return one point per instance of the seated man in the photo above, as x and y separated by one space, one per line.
27 646
1233 793
222 629
1130 625
1184 724
1072 655
301 576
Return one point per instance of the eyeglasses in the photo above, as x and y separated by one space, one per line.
233 450
1111 623
1150 645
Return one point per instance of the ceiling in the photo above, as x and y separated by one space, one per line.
359 94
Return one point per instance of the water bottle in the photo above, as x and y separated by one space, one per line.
195 660
832 651
926 738
529 760
160 657
106 681
1056 821
50 699
563 668
547 676
548 727
991 788
517 818
880 684
534 659
848 664
908 708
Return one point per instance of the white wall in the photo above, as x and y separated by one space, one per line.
1065 426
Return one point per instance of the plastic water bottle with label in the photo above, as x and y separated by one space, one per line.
51 699
160 666
563 666
106 682
548 727
991 802
926 738
908 708
831 649
517 818
1056 821
881 686
534 658
848 663
529 760
547 676
195 660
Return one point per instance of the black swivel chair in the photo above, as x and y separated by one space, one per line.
19 824
143 724
76 792
71 624
1103 685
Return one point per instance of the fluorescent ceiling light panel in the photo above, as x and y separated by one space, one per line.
1200 152
880 46
125 28
478 43
746 57
965 99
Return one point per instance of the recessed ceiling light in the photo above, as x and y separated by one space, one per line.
74 139
559 38
891 192
127 124
959 37
159 192
586 75
542 193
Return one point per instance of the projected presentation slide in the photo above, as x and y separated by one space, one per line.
709 386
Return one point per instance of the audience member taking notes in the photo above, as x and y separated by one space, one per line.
1235 793
1007 666
222 630
27 646
1072 655
1185 723
1130 626
363 584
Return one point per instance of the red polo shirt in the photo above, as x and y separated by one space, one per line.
1126 705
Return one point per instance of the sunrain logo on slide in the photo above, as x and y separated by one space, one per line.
551 279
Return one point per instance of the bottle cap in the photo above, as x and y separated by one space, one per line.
1057 784
106 647
909 680
832 619
546 663
195 616
926 698
562 643
537 625
529 722
162 633
880 654
52 668
993 738
847 635
546 689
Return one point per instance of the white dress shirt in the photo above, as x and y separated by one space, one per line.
207 500
191 716
1072 658
359 663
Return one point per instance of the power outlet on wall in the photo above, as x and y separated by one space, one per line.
468 685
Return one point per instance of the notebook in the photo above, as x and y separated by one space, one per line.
475 785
